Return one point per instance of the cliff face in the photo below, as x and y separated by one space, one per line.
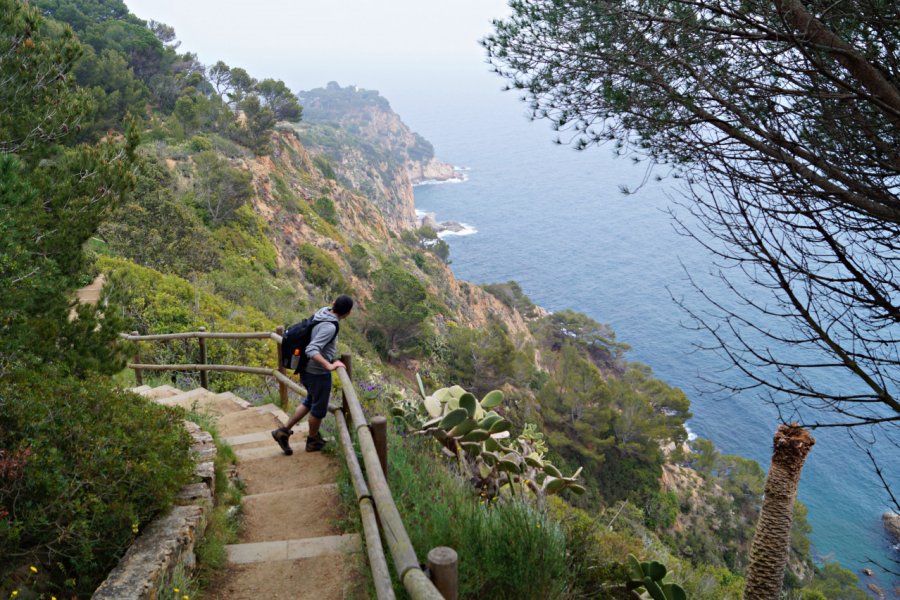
369 148
291 180
432 170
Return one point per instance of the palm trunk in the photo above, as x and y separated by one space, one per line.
771 544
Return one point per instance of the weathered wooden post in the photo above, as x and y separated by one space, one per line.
378 427
347 359
282 388
204 376
138 374
443 563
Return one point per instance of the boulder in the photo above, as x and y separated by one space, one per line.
892 524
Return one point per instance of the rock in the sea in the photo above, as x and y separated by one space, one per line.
430 220
892 524
868 572
879 593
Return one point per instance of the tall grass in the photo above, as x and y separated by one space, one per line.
507 549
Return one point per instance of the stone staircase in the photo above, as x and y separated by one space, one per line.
290 545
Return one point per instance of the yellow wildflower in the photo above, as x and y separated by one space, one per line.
185 597
33 569
176 590
14 594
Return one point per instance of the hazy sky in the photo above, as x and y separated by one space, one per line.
309 43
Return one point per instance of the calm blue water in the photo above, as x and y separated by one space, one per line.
553 219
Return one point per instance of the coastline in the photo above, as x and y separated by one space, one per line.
828 521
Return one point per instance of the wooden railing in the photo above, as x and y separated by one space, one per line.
376 504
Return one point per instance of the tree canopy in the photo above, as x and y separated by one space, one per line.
782 117
52 199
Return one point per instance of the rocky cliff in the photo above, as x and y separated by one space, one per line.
369 149
290 181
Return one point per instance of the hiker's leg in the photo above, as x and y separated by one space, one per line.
319 388
297 416
314 423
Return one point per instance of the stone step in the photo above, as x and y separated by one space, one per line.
202 401
242 554
280 472
335 577
236 399
262 436
140 389
275 411
261 450
308 512
265 452
161 391
185 399
250 420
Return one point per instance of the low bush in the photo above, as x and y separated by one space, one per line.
98 464
157 303
359 260
320 269
507 549
325 208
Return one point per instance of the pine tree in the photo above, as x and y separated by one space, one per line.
52 199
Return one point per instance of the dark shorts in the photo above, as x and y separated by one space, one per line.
318 393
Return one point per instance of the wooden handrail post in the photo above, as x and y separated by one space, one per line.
204 375
347 359
443 563
282 388
138 374
378 426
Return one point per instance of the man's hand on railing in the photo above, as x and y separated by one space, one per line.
336 365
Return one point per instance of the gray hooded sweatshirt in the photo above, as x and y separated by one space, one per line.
319 341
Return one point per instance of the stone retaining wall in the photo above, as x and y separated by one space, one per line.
168 540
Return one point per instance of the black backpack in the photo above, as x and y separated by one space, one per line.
295 340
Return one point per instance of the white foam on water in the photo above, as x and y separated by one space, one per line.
462 178
691 435
466 230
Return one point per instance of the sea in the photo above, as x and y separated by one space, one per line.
555 220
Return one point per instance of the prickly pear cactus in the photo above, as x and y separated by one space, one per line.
480 438
650 575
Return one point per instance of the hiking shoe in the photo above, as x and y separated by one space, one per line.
281 436
314 444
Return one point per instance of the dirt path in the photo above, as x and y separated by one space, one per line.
290 545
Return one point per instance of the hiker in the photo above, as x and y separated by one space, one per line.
316 376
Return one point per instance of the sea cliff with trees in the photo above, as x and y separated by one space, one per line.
209 198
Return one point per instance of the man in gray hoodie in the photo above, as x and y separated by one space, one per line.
316 377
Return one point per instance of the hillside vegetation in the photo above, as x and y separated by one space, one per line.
226 202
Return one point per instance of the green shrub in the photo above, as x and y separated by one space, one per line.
511 294
201 143
506 549
359 260
596 555
324 166
320 269
324 206
101 463
399 311
157 303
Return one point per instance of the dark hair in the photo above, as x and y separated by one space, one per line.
342 305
